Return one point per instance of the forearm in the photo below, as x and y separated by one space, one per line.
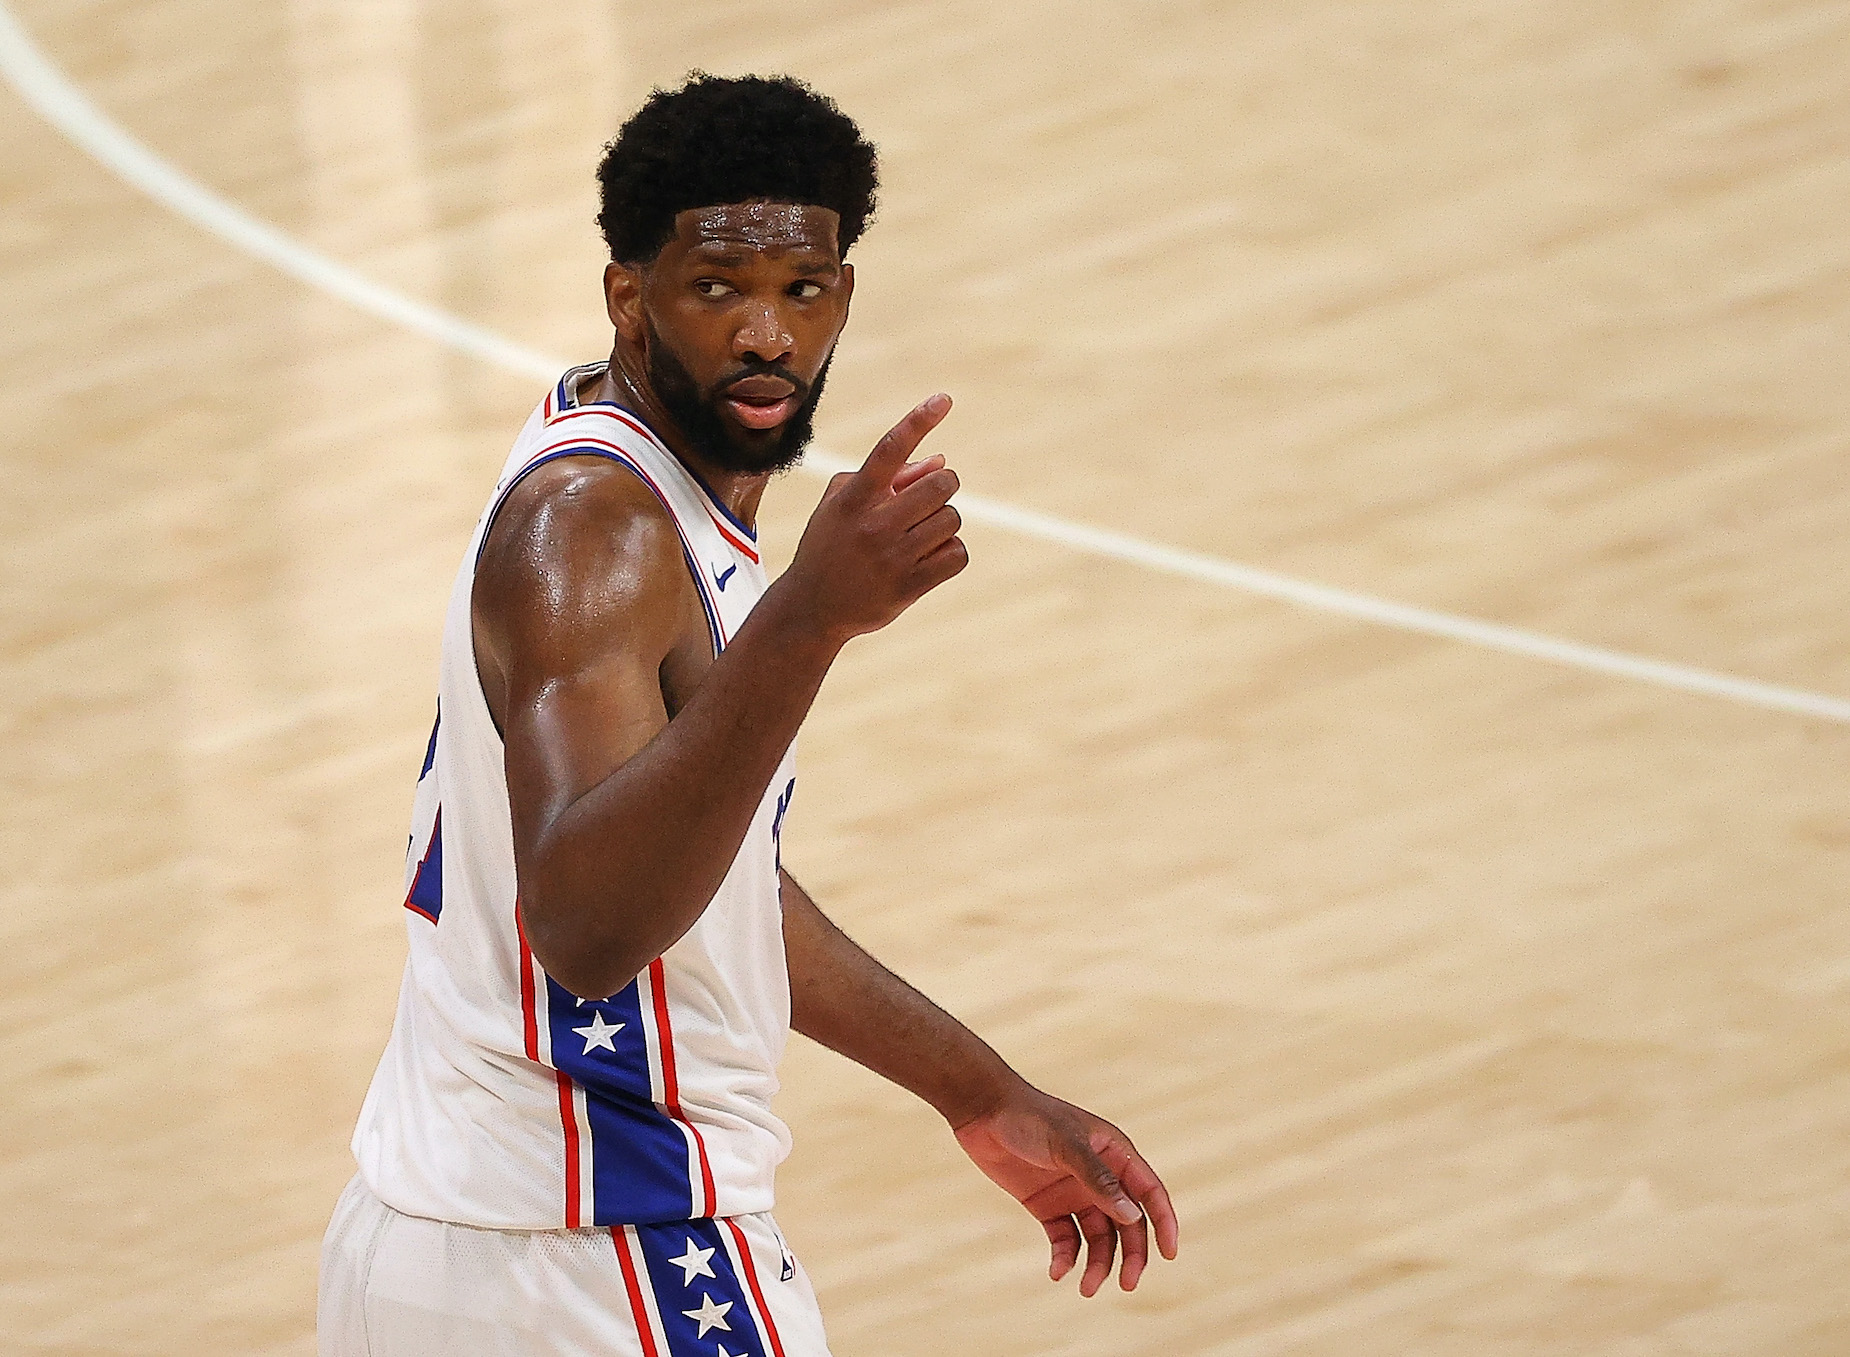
844 999
612 879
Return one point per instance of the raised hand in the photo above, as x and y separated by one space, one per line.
1079 1176
882 536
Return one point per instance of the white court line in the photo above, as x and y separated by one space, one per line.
62 104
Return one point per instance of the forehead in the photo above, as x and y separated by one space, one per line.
757 228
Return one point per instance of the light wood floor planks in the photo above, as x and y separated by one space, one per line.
1473 1008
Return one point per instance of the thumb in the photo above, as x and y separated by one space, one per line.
1103 1187
899 442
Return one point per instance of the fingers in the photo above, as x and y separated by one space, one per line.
891 452
930 533
1101 1249
1136 1241
1103 1237
1163 1217
943 564
1063 1235
911 471
1141 1182
924 497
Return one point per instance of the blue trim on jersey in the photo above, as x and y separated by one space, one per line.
639 1168
784 798
706 601
430 752
676 1293
717 502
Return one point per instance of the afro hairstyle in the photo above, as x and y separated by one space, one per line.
717 140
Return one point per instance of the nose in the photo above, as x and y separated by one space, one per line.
763 335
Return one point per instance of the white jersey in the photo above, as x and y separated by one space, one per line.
504 1101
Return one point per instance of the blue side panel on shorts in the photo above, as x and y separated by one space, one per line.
639 1170
690 1299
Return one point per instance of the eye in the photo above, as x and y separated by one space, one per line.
806 290
713 288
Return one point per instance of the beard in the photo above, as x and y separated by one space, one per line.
696 412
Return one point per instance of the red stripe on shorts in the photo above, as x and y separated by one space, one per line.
568 1117
631 1285
751 1280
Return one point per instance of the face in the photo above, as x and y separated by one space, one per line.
739 315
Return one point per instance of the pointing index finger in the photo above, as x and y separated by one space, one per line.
891 452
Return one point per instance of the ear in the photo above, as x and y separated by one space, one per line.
847 290
623 300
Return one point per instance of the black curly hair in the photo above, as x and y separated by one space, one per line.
718 140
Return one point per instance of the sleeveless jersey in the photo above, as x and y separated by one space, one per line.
503 1100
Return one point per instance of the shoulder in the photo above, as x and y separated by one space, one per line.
580 538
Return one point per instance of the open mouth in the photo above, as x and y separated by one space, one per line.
761 402
761 414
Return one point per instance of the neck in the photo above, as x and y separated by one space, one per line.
626 383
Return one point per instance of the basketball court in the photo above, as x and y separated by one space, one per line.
1476 991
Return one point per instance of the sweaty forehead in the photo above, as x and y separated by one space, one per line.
768 228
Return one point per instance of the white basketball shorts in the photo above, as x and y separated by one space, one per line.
394 1285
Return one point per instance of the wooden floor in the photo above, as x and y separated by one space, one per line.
1473 1007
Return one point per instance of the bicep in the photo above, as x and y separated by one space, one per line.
567 732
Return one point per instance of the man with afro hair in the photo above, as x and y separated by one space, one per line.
568 1146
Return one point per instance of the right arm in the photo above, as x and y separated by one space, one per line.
625 821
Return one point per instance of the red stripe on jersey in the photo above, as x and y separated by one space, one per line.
638 1310
751 1280
732 537
529 1009
568 1113
671 1087
578 411
568 1117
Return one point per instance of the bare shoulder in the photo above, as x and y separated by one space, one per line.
580 557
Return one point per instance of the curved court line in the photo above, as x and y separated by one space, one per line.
46 89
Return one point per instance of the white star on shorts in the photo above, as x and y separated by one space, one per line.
599 1033
694 1263
709 1315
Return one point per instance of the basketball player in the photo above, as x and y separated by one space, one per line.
569 1144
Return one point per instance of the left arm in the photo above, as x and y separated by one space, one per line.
1075 1173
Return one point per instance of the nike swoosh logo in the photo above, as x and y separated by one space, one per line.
720 580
